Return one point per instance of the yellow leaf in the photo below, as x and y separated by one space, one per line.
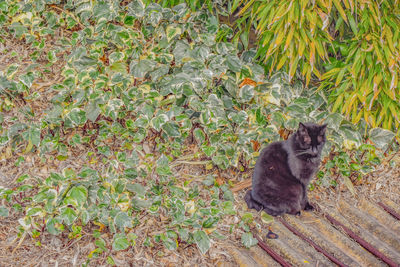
317 73
312 54
268 98
389 38
330 73
340 76
289 38
7 154
247 81
209 166
338 102
349 185
281 62
320 49
293 67
308 76
101 226
28 147
190 207
395 113
280 36
357 118
209 230
377 51
366 115
346 4
245 7
279 13
302 46
340 9
351 103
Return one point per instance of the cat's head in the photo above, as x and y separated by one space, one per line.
309 140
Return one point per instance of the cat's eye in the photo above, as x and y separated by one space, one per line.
320 138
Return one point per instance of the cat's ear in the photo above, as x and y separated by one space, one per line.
302 128
322 129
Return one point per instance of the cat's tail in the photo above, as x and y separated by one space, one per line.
251 203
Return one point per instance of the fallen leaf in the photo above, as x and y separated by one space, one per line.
247 81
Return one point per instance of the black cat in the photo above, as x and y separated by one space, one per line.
284 170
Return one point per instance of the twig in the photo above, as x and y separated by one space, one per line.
67 247
190 163
195 176
191 156
393 156
241 185
68 13
389 146
19 243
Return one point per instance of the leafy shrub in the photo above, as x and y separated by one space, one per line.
351 46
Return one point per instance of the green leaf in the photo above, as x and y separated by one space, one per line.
122 220
248 240
3 211
247 217
68 215
110 261
129 20
334 120
78 194
34 211
120 242
228 208
136 188
141 68
202 241
84 62
246 93
266 218
159 121
92 111
77 116
172 31
239 117
210 222
120 67
199 135
51 56
171 129
233 63
27 79
381 137
23 178
53 226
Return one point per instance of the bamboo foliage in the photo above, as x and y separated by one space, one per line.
351 46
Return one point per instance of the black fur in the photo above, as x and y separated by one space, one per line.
284 170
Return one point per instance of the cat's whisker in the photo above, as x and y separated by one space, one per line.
302 153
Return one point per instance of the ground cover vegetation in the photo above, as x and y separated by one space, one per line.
144 88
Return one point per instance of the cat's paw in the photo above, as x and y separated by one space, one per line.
309 207
251 204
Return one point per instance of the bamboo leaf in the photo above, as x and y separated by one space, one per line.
340 9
